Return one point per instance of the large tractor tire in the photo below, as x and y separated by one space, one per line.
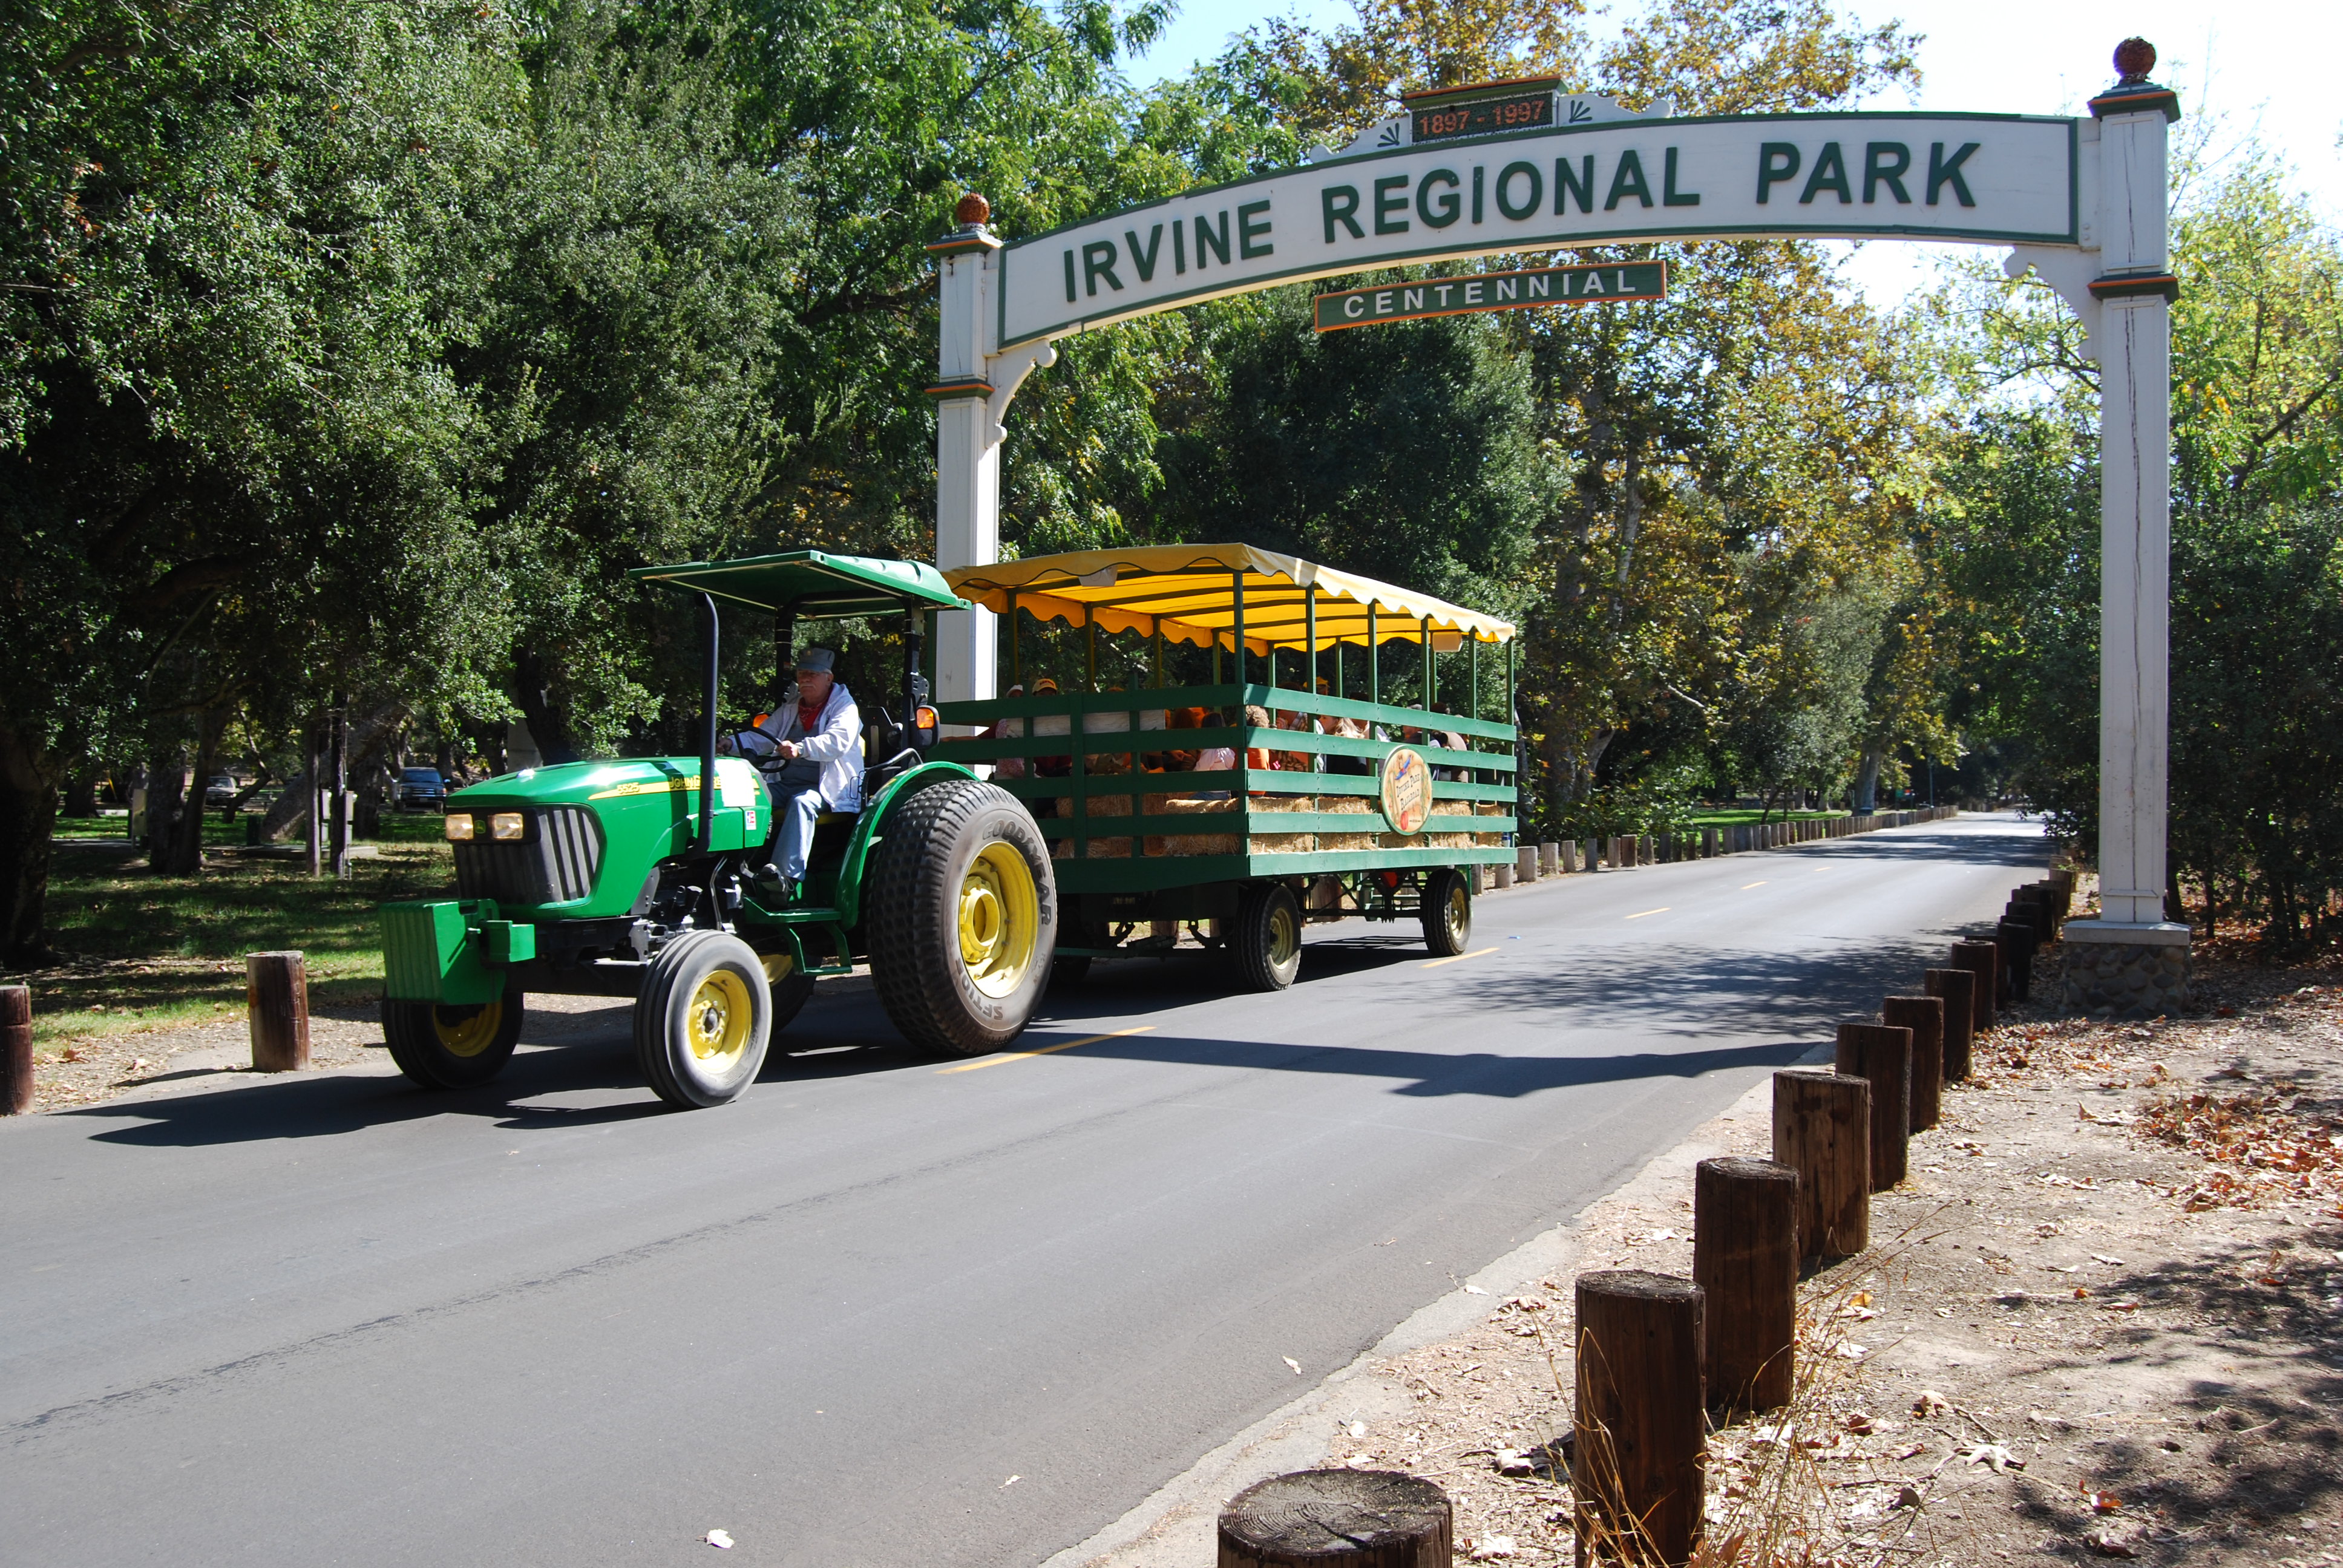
452 1047
961 915
704 1019
1266 945
1447 912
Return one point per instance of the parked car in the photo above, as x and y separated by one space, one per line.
422 789
221 790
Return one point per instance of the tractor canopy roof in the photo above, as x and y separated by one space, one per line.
812 585
1189 593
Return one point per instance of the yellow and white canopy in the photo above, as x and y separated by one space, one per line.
1188 593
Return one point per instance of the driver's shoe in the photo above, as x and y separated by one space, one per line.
769 879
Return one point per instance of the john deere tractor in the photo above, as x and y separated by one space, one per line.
633 878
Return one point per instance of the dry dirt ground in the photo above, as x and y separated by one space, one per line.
2100 1320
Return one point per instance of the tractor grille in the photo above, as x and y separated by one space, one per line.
555 864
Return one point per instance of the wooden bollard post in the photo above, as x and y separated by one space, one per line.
1744 1255
16 1049
1339 1519
1982 960
1957 989
1821 1130
1638 1467
1925 1017
1882 1054
2015 939
276 1005
1525 863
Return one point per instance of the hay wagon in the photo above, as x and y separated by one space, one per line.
1281 790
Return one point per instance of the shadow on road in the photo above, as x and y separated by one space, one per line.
1432 1073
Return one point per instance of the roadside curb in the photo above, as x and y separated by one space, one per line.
1175 1527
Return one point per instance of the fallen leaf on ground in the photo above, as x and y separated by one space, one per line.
1011 1482
2108 1544
1930 1403
1358 1429
1474 1290
1908 1496
716 1538
1493 1546
2103 1502
1294 1364
1992 1455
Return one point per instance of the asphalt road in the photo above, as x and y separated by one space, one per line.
337 1321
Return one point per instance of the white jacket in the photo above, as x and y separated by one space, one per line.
836 743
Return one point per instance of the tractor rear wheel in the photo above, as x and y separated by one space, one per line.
442 1047
703 1020
962 914
1447 912
1266 945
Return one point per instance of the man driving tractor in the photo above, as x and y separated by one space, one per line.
815 765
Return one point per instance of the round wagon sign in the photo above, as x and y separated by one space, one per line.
1406 790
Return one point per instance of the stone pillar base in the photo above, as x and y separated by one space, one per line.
2118 970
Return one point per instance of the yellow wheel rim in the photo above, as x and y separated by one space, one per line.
467 1031
1458 911
1284 936
717 1024
999 919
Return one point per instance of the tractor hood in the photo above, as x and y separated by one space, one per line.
575 817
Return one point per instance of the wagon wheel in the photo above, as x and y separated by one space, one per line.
1447 912
1266 943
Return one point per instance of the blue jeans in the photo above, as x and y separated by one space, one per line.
794 815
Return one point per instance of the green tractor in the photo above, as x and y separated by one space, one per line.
635 879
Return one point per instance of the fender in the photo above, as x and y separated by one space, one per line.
866 832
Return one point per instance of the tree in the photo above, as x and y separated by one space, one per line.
226 453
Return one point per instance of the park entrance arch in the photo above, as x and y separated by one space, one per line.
1509 167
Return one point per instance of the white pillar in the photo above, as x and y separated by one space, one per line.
2133 337
968 455
974 383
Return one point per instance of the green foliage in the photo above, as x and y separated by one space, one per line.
2256 726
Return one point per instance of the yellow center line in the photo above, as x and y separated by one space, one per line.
1661 910
1459 958
1746 885
1044 1050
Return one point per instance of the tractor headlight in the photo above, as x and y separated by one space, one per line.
462 827
506 825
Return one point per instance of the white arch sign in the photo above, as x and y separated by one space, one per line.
2082 201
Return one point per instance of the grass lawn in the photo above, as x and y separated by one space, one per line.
153 952
1730 816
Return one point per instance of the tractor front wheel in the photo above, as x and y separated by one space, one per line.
703 1020
442 1047
962 916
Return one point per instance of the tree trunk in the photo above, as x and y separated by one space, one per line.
1338 1519
81 792
1866 784
29 777
166 793
535 697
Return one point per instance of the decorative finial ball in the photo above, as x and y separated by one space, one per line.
2135 58
974 209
